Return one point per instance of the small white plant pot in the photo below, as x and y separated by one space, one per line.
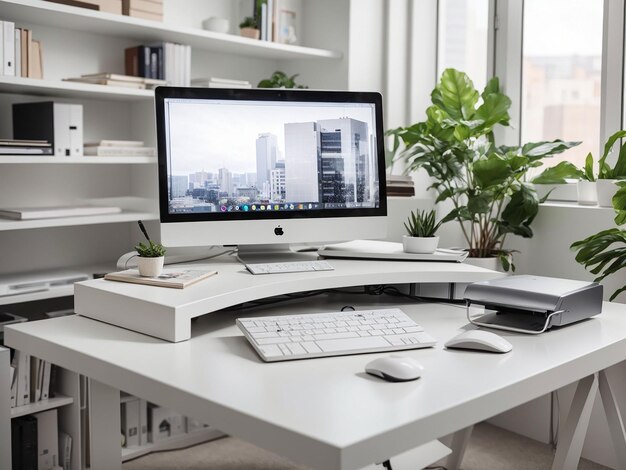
606 190
217 25
150 267
419 244
587 193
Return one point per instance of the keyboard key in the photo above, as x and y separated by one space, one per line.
273 340
295 348
352 344
271 350
347 334
311 347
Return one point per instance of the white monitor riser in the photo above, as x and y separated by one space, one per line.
167 313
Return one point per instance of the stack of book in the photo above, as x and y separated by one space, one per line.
25 147
279 20
146 9
402 186
20 54
115 79
163 61
30 379
215 82
118 148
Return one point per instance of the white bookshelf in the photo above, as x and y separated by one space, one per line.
80 19
52 160
42 405
79 41
64 89
125 216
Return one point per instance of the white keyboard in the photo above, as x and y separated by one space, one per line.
289 267
287 337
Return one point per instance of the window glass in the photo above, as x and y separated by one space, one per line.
562 59
463 36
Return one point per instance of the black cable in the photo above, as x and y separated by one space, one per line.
387 465
343 309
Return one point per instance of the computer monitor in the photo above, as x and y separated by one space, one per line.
262 169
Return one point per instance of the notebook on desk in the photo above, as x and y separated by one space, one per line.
373 249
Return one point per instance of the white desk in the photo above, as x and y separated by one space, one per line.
167 313
326 413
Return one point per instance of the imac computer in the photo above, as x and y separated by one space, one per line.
263 169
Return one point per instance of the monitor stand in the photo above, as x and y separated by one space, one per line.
279 253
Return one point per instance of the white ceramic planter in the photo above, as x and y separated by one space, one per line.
150 267
217 25
587 193
606 190
419 244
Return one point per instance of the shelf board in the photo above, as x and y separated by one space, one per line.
80 19
52 160
172 443
42 405
58 88
60 291
127 216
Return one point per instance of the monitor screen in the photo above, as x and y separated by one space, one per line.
269 154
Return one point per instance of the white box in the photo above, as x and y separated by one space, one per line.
9 48
47 440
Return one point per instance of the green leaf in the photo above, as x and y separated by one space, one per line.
619 171
588 174
443 195
491 172
546 149
494 110
504 259
493 86
521 208
558 173
617 292
608 146
619 204
455 94
479 204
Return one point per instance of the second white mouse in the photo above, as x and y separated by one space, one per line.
480 340
395 368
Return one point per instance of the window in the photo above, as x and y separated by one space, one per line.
561 75
463 38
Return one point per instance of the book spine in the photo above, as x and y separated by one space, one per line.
28 444
24 46
131 61
1 47
18 52
9 48
264 22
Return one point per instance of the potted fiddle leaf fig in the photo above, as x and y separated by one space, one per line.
604 253
485 183
421 227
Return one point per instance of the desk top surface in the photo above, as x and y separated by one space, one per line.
326 412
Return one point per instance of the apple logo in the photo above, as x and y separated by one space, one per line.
278 231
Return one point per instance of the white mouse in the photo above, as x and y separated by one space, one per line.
395 368
480 340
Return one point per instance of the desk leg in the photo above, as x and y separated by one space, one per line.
104 427
572 438
458 445
614 418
